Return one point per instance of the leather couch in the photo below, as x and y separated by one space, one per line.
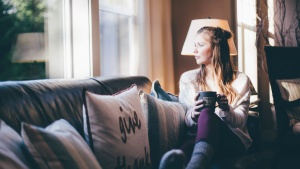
41 102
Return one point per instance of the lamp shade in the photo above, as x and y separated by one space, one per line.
30 47
188 46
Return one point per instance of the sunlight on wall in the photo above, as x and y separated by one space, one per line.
271 28
247 52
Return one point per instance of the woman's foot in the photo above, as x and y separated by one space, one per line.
173 159
201 157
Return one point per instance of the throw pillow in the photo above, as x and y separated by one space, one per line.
290 93
11 144
117 129
166 125
159 93
58 146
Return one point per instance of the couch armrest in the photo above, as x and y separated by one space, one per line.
254 128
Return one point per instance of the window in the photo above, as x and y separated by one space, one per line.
22 49
65 38
247 52
70 39
118 33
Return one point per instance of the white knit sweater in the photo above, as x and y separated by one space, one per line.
235 118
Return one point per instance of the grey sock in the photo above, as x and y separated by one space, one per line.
173 159
201 157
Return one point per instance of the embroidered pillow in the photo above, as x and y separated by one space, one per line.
165 125
11 154
290 92
116 129
58 146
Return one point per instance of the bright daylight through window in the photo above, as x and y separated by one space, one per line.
118 34
67 38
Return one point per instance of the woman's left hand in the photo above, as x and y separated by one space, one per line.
222 102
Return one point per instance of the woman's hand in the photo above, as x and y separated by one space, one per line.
198 105
222 102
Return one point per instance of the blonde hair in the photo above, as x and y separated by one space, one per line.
223 66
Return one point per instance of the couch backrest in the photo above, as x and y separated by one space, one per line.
41 102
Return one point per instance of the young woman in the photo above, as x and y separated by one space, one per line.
213 132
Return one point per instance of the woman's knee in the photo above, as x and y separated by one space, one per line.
206 115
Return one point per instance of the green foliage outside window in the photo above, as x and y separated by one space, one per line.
17 16
30 15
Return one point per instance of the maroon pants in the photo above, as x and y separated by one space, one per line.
212 129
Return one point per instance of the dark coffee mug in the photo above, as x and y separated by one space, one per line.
209 98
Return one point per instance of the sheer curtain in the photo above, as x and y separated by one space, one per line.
156 54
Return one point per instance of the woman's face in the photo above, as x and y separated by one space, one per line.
203 51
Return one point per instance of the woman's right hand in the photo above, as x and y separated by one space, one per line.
198 105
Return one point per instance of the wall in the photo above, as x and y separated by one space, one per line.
267 113
183 12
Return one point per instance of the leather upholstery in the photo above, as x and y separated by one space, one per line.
41 102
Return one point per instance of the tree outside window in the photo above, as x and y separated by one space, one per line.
17 17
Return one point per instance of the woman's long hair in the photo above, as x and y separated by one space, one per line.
223 66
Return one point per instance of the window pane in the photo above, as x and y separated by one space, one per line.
116 3
246 12
114 40
22 54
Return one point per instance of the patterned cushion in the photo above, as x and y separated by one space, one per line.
290 93
165 125
11 155
116 129
58 146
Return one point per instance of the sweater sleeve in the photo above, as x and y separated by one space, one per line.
187 93
237 115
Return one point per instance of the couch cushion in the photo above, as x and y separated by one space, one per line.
116 129
58 146
290 93
11 154
41 102
165 125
